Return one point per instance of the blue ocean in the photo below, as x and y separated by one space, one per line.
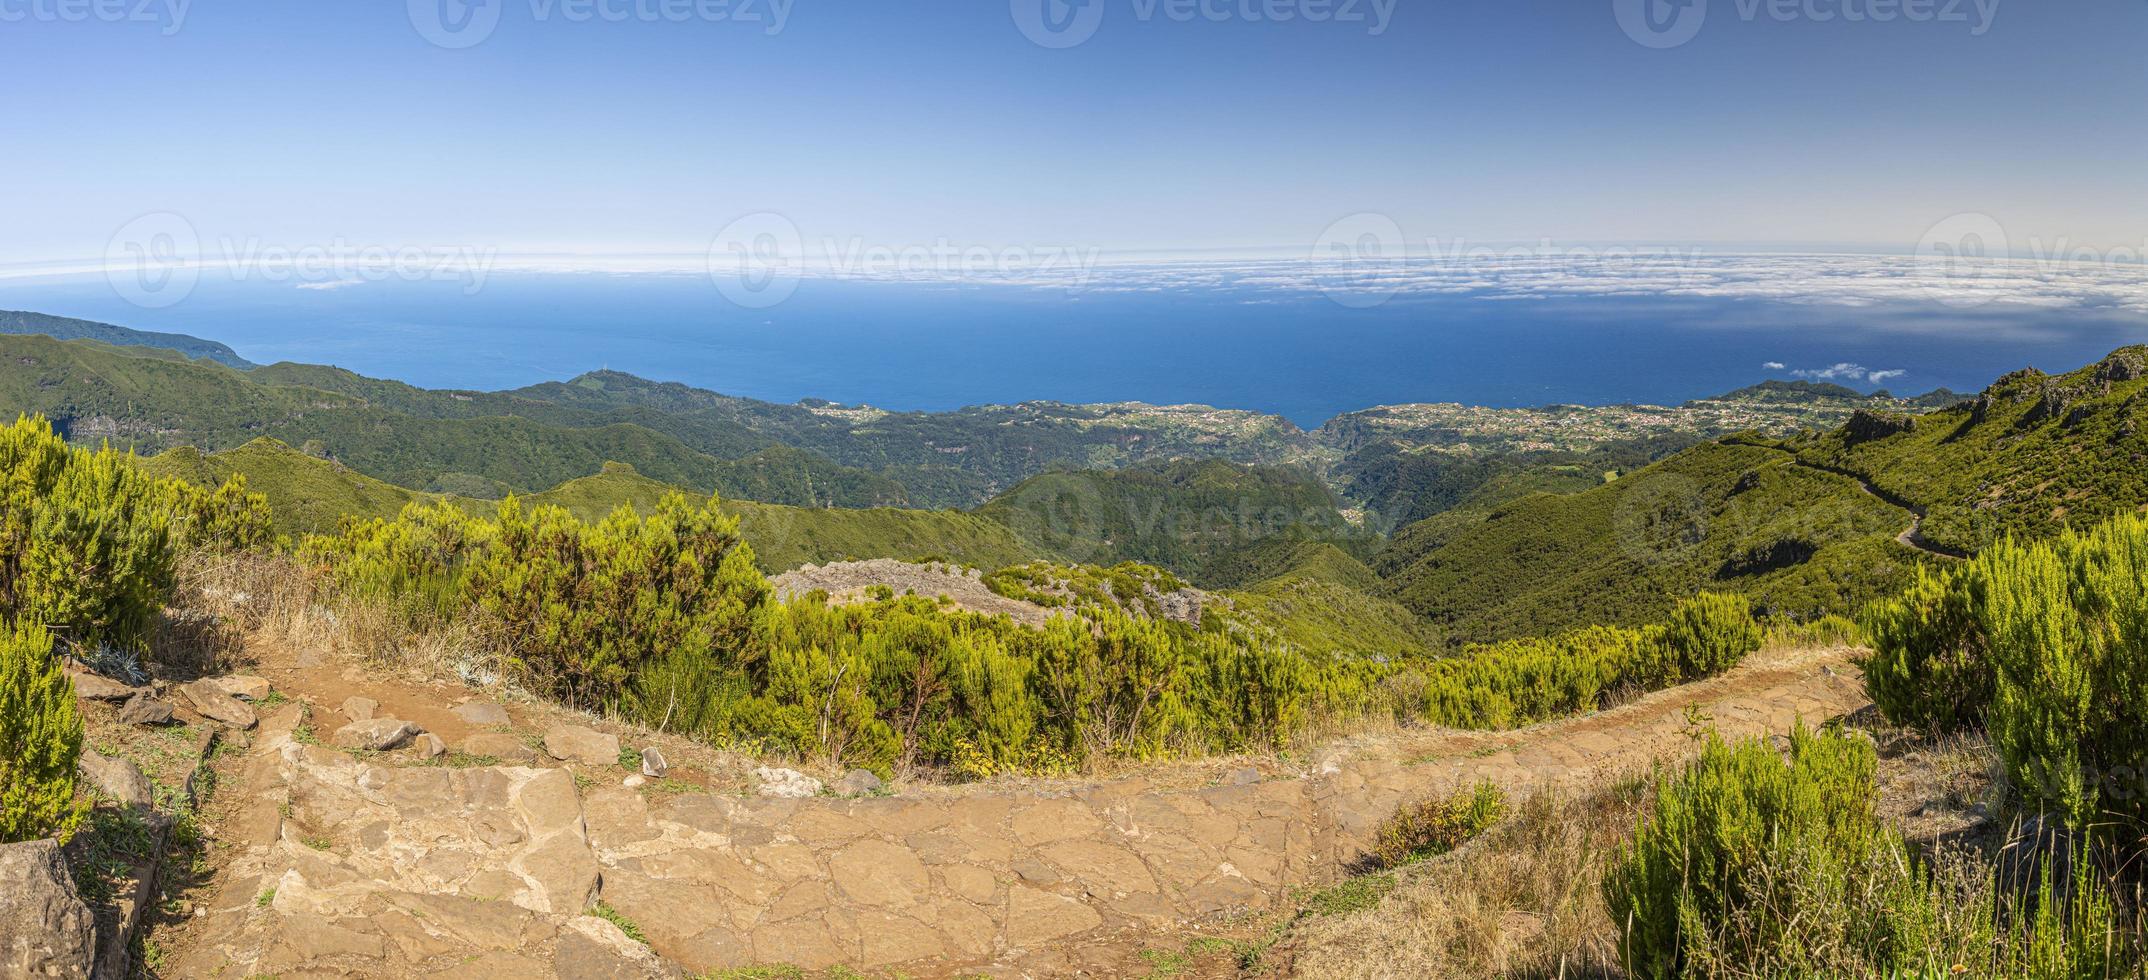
942 345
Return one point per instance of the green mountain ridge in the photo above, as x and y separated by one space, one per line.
20 322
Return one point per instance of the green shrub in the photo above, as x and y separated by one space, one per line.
1709 634
1433 827
1749 860
227 519
2067 627
584 607
40 739
1520 682
85 548
1928 668
1752 864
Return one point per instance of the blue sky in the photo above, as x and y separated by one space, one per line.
903 123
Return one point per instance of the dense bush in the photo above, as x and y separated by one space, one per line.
1709 634
1519 682
589 605
1928 668
1433 827
227 519
40 739
2067 626
85 540
1751 863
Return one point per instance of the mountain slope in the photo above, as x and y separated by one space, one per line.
68 328
1791 523
1207 520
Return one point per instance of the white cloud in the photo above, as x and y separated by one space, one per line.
1773 366
331 284
1846 371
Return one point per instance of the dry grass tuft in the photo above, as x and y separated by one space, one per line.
1523 900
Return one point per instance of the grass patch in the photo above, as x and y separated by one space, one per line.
604 911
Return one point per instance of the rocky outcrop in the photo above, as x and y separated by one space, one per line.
1866 425
2122 366
45 931
786 784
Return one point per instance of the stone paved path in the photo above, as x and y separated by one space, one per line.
370 866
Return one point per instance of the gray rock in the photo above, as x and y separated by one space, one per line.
506 748
653 764
1243 777
142 709
97 687
374 734
45 931
212 703
359 709
787 784
117 778
573 743
858 782
482 713
429 746
245 687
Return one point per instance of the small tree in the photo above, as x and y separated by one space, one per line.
40 739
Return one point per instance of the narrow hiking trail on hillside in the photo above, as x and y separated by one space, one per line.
1911 537
342 863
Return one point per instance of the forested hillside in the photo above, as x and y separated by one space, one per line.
1807 525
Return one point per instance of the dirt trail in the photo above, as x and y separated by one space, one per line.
376 865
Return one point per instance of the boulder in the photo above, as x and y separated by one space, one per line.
117 778
359 709
374 734
653 764
859 782
212 703
573 743
788 784
45 930
142 709
429 746
97 687
482 713
1243 777
506 748
245 687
